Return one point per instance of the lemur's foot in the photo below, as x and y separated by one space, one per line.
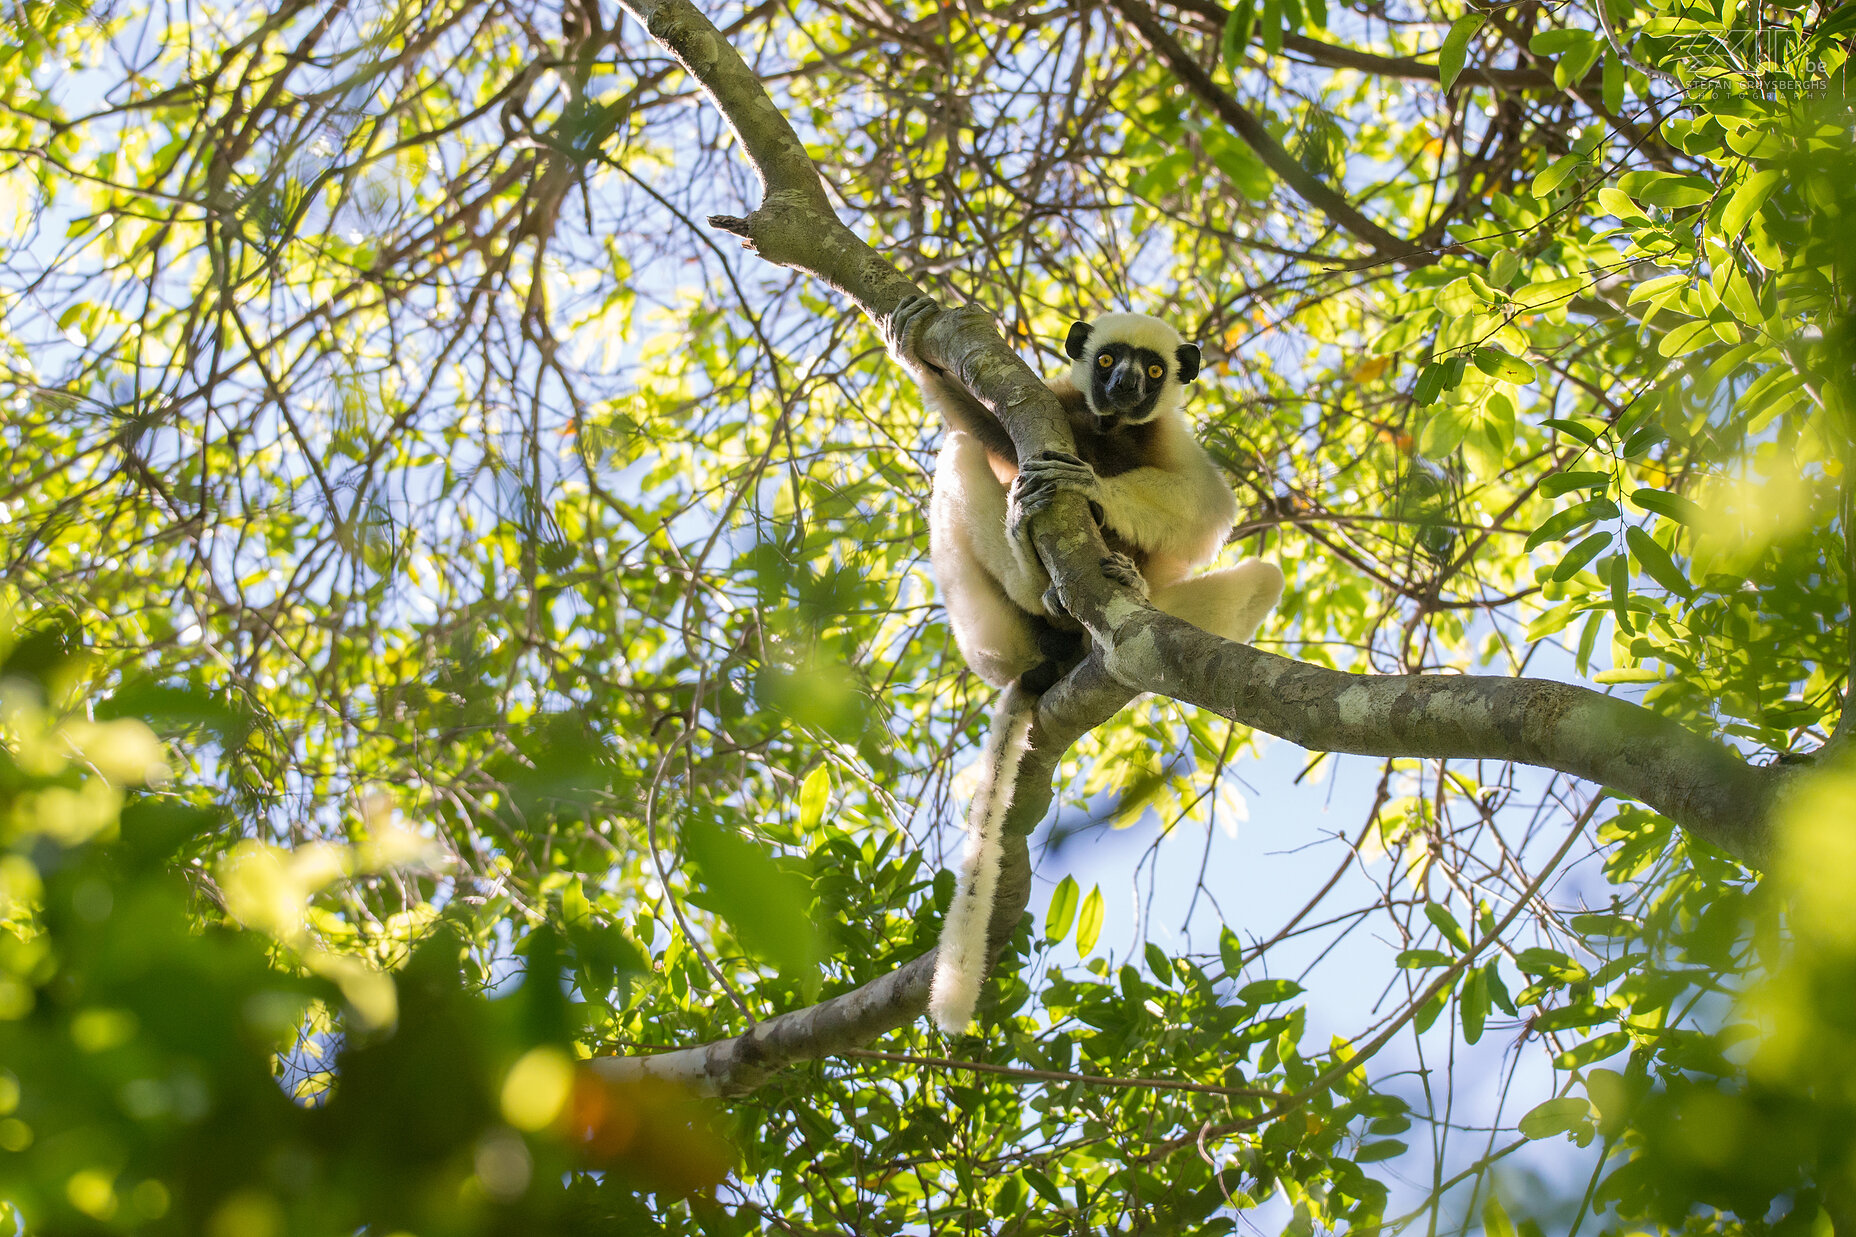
904 321
1040 479
1121 569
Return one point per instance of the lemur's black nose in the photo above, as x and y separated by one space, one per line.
1124 384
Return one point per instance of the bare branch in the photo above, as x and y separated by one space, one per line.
1309 187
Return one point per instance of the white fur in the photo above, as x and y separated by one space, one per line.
1230 603
960 959
988 589
1177 511
1179 514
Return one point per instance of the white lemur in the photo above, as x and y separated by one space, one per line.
1164 509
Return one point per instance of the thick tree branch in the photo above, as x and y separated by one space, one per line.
1697 783
794 226
1689 778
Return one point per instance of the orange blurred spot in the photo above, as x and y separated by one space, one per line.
1372 368
650 1130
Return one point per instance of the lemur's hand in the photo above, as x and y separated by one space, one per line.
1040 479
899 332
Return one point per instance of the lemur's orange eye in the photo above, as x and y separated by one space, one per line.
1105 360
1156 371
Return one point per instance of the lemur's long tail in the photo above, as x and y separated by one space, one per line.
961 959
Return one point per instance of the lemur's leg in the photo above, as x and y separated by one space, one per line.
997 632
1229 603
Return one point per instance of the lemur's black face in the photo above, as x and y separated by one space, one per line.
1125 383
1126 380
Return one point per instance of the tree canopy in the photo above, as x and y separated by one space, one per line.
469 675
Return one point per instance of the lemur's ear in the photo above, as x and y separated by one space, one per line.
1078 340
1188 355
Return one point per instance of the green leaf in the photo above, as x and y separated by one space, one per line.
1618 569
1240 164
1495 1221
1686 338
1238 27
1656 561
1617 202
1159 963
1641 441
1447 924
1230 952
1498 364
1443 433
1603 923
1422 959
1593 1050
1842 21
1572 67
1473 1004
1562 523
1553 42
1373 1152
1655 288
1269 991
1429 1011
1557 1116
1555 174
1466 294
1756 142
1663 503
1550 292
1562 482
1581 554
1451 56
1062 911
1747 199
1538 960
1615 1096
1667 190
1584 433
1046 1188
813 795
1430 384
1089 927
1569 1017
1633 674
1504 265
768 905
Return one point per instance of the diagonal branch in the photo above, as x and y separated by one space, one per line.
1243 122
1336 56
739 1064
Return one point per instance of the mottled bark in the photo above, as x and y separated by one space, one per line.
1691 779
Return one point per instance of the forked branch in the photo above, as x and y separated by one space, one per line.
1699 784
